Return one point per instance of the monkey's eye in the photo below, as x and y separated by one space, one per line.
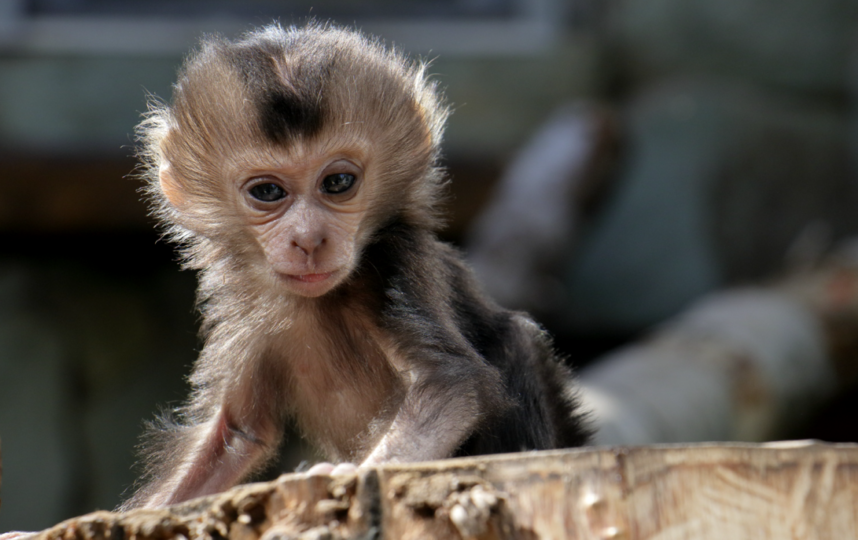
338 183
268 192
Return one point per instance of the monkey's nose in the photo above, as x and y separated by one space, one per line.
308 244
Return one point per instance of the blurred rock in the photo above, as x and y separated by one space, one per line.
533 217
722 177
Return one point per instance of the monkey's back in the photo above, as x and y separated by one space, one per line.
545 412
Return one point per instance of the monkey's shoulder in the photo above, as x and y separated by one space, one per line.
424 281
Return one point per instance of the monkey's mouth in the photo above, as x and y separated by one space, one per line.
311 278
311 285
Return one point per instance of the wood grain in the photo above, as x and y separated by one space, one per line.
790 490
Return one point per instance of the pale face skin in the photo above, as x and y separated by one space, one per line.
306 215
304 208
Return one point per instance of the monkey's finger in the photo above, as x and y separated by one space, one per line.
344 468
319 469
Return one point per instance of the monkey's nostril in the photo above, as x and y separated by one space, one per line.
308 245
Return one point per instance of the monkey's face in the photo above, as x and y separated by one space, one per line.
306 213
282 158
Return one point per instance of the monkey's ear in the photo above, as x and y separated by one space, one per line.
169 186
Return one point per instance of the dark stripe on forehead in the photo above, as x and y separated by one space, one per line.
283 114
284 111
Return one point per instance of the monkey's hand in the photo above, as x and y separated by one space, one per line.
326 469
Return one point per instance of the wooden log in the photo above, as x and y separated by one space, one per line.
747 364
801 489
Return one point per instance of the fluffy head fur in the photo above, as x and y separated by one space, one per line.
265 93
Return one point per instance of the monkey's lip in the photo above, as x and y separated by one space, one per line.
310 278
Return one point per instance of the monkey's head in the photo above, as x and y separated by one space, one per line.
287 150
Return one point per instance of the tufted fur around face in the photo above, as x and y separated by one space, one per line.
260 96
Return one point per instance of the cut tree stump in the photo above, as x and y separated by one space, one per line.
789 490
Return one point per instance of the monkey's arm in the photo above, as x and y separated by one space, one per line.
194 460
442 407
450 393
450 388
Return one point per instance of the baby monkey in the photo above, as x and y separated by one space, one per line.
297 170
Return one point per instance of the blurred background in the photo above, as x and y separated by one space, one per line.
613 161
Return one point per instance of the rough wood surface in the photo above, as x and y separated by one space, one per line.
797 490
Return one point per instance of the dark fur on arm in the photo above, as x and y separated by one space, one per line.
526 390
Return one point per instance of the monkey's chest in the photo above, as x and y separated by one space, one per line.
341 391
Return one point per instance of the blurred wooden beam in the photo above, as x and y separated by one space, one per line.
69 194
741 364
